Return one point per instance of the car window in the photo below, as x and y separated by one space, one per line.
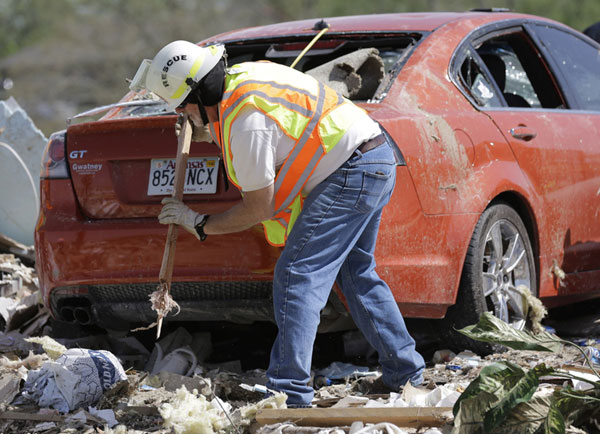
509 74
478 84
579 62
519 72
512 70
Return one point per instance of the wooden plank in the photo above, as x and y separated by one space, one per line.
183 152
412 417
579 368
16 415
143 410
166 269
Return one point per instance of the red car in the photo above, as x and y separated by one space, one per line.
496 116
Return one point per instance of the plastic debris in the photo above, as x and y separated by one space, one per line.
256 388
468 358
593 354
443 356
6 306
340 370
21 148
44 426
180 361
9 387
77 378
351 401
107 415
581 384
179 352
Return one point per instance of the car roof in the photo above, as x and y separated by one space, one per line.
393 22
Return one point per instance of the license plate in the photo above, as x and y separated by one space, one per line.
200 176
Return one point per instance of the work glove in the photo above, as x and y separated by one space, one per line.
201 134
175 212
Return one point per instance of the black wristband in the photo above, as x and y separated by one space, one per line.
200 228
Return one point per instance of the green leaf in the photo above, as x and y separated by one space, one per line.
577 406
522 391
494 330
493 379
527 417
555 422
469 419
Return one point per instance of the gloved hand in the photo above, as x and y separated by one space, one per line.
201 134
175 212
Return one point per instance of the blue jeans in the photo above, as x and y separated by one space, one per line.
334 238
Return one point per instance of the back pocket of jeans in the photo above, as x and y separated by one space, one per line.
375 188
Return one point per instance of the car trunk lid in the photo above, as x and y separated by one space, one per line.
121 168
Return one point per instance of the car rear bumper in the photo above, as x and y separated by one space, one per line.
119 260
121 306
103 271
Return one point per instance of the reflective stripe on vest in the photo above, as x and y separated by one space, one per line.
311 114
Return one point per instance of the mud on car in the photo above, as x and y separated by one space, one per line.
495 116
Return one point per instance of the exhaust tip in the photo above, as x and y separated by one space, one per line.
82 315
67 314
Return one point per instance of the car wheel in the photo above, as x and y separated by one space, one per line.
499 264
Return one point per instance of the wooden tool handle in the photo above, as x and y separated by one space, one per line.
183 152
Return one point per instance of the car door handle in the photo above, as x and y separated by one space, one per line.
523 133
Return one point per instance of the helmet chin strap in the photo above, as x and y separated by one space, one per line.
211 87
203 114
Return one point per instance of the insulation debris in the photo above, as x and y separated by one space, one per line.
276 401
191 413
356 75
32 361
50 346
537 312
557 272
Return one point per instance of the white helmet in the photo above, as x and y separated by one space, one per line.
175 69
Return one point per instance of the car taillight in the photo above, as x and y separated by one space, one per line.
54 163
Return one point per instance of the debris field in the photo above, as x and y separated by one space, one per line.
57 379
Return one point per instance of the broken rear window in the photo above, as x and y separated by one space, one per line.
361 68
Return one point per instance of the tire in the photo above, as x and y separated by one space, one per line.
499 259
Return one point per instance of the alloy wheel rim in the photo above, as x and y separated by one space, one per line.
505 274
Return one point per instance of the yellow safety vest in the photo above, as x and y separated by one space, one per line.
312 114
